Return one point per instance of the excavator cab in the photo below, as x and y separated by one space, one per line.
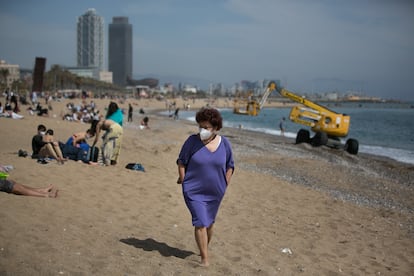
246 106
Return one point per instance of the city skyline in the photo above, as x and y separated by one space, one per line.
311 46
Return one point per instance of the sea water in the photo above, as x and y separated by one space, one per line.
381 129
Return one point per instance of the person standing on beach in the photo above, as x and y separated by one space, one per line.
130 112
111 140
114 113
205 167
177 110
282 126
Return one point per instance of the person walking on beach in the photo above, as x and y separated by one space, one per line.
205 167
282 126
177 110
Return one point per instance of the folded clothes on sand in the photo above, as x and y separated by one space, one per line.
6 168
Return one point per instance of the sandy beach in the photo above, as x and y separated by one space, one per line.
289 210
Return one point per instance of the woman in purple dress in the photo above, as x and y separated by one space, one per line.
205 166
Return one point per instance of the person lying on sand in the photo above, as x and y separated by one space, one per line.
10 186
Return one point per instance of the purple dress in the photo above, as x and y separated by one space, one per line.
205 181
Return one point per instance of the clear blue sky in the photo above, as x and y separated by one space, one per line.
311 46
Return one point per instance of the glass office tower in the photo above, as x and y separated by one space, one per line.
120 50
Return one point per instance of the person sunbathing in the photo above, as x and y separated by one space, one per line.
12 187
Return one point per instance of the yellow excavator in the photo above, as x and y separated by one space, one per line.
327 125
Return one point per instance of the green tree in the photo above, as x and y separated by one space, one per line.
4 72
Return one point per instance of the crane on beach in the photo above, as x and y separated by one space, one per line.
329 126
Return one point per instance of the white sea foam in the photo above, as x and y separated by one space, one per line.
400 155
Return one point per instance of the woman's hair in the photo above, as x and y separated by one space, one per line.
211 115
111 109
49 131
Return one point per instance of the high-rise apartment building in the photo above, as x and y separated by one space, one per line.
90 40
120 50
12 72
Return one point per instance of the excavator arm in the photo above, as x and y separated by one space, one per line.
328 125
316 116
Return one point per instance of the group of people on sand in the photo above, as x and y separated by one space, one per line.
11 107
45 147
77 148
84 113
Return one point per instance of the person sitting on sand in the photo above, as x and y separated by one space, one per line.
41 111
37 141
111 140
144 123
8 112
43 145
12 187
51 148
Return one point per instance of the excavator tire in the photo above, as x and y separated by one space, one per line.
320 139
352 146
303 136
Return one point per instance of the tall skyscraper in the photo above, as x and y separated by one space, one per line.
90 44
120 50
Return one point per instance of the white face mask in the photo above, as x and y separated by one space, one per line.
205 133
42 133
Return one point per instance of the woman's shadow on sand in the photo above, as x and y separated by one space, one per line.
151 245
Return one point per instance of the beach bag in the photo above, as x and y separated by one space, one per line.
93 154
135 167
